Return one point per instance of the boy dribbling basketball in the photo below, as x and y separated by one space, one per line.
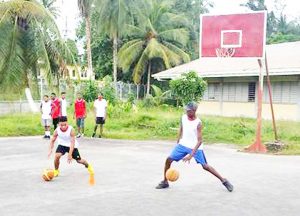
189 145
67 143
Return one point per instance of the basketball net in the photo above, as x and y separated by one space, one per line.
225 52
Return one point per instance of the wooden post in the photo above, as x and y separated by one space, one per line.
258 146
270 98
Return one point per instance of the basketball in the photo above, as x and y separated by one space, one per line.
48 174
172 175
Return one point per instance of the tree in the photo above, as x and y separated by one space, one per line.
32 42
190 87
192 10
159 35
113 15
85 8
279 29
50 5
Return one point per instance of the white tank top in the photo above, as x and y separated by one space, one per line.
63 107
64 138
189 137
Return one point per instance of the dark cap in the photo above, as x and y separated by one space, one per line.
191 106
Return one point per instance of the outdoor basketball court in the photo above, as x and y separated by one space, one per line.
126 173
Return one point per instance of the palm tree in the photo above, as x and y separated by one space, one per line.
85 8
32 42
113 15
50 5
158 34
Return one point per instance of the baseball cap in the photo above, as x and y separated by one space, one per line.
191 106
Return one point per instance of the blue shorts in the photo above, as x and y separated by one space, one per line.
181 151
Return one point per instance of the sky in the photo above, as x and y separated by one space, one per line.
70 14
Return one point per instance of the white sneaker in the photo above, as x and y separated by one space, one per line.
78 135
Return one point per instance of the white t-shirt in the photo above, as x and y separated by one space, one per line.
100 106
63 107
64 138
189 137
46 109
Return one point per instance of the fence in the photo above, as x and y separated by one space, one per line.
7 107
123 92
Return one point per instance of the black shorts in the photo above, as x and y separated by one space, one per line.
55 121
63 149
100 120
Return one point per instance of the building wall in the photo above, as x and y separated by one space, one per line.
235 97
236 109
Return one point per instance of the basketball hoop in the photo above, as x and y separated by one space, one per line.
225 52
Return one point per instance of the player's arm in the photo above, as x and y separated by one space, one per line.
52 141
105 110
84 108
72 134
74 114
179 132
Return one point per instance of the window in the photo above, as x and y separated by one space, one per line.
251 91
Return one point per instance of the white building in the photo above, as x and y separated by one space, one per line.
232 83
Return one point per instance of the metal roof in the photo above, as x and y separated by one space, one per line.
283 59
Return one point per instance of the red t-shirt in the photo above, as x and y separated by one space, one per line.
80 108
55 108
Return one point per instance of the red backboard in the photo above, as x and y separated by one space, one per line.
233 35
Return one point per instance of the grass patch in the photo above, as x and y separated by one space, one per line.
162 124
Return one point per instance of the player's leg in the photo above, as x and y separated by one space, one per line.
101 130
78 127
82 126
201 159
60 151
96 126
177 154
102 122
89 167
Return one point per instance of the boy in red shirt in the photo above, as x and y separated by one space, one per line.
55 110
80 114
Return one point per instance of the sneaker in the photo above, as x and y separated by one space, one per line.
162 185
78 135
228 185
56 173
90 169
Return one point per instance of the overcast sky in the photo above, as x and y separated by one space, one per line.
70 14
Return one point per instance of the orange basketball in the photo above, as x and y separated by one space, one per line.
172 175
48 174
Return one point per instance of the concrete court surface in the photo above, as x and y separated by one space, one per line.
126 173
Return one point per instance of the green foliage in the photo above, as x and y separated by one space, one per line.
158 34
279 29
108 90
32 43
190 87
90 91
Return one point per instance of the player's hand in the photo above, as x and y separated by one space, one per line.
70 158
187 158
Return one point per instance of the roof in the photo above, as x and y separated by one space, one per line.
283 59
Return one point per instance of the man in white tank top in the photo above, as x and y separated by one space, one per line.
65 136
189 145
